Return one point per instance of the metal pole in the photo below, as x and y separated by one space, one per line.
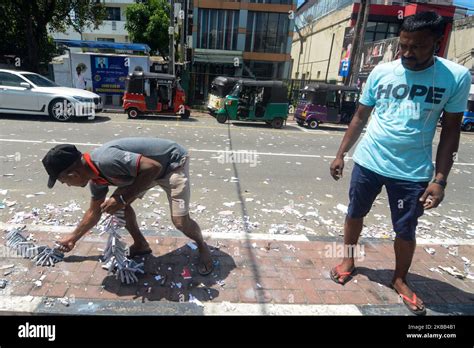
171 33
355 40
182 38
329 59
357 59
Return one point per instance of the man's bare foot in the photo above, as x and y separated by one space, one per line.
401 287
66 244
139 249
205 266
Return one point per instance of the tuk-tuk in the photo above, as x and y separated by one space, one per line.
220 87
326 103
155 94
468 119
250 100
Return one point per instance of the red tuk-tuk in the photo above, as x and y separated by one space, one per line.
154 94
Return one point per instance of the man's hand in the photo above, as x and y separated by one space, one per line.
111 205
337 167
67 243
433 196
351 136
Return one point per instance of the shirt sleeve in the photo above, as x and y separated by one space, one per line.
98 191
458 100
368 94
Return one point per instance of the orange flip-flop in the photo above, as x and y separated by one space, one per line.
418 311
337 278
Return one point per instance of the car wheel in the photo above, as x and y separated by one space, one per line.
133 113
300 123
313 124
221 118
61 110
277 123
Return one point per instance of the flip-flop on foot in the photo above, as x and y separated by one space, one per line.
407 301
341 277
205 270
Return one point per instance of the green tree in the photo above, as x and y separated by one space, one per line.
148 23
24 26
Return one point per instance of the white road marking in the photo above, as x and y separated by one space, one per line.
280 154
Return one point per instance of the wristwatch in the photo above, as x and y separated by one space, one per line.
443 183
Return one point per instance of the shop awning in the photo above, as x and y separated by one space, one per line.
124 46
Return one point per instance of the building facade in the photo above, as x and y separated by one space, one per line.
322 38
112 28
461 43
248 38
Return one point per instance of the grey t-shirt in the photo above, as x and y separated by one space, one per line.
118 160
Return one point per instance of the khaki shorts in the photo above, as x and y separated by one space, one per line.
177 187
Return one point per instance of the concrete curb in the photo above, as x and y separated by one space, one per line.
39 306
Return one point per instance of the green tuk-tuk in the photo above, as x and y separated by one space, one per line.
249 100
220 87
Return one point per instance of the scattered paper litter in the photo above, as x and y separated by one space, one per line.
453 271
192 245
430 251
342 208
194 300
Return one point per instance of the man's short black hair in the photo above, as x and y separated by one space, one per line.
428 20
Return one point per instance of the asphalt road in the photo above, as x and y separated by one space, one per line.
280 184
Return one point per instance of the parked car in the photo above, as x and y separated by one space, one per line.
23 92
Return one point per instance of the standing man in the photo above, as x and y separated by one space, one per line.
80 78
406 98
134 165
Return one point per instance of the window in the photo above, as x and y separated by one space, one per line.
218 29
264 70
113 13
106 39
267 32
380 31
11 80
39 80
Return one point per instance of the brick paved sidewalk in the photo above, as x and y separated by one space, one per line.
249 272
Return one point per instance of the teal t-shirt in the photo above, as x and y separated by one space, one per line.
407 106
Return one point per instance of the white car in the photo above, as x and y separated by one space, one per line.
23 92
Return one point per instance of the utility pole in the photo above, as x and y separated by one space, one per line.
358 42
301 48
329 59
182 21
171 34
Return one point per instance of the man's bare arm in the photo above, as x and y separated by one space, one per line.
148 171
90 218
350 138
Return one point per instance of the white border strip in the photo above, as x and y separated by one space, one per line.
30 304
227 308
240 236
